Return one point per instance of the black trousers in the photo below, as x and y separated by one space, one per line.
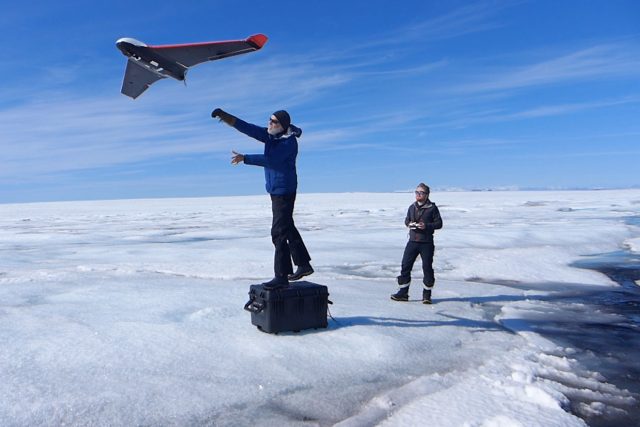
411 252
285 236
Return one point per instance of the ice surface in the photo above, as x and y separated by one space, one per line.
130 312
633 244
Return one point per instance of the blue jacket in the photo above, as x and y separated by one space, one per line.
279 158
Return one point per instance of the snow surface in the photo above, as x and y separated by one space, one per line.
130 312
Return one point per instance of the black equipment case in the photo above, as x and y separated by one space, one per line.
301 305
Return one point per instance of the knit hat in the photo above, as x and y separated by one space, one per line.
425 187
284 119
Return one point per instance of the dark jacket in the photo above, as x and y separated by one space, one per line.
279 158
429 215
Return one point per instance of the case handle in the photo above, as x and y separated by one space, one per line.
253 306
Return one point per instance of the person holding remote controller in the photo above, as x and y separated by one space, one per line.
423 218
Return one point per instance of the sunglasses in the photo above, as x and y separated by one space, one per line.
421 193
274 122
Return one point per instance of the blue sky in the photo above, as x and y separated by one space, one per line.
469 95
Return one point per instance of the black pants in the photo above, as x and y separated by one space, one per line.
285 236
411 252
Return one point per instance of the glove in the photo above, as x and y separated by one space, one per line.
223 116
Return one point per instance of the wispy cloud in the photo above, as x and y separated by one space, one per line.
53 132
468 19
562 109
404 71
84 132
608 60
470 117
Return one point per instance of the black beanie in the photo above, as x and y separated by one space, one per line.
283 118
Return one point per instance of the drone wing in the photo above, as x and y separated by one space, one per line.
137 79
196 53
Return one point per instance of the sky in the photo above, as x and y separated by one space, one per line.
459 95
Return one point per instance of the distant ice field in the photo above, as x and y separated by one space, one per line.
129 312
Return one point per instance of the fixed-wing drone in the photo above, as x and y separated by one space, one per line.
148 64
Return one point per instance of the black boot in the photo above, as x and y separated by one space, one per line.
276 283
301 271
402 294
426 296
